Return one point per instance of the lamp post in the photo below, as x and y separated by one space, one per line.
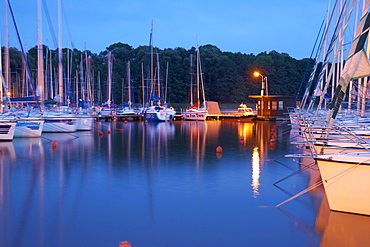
263 80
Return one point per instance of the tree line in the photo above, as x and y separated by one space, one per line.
228 77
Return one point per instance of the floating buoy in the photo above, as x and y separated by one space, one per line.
272 141
125 244
272 145
108 132
100 133
120 130
125 122
54 143
219 149
273 130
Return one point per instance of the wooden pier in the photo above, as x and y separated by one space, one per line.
178 117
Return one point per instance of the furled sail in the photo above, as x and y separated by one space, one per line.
357 64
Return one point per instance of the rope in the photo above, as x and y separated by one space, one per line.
321 182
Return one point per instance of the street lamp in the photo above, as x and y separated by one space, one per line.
264 79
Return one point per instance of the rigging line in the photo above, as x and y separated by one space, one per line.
50 23
292 174
308 63
342 173
317 184
67 24
30 80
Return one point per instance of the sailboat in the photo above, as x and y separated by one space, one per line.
156 109
7 126
128 110
14 123
345 172
196 111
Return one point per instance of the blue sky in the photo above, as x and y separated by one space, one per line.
247 26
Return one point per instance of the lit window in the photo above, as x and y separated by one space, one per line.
281 105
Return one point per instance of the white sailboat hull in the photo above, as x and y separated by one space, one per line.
346 181
195 115
59 125
26 128
160 115
7 129
84 123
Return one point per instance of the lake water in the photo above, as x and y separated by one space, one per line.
163 184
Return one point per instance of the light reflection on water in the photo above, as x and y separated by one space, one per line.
255 171
156 184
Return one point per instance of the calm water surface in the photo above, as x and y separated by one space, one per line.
162 184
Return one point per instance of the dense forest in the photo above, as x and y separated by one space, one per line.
228 77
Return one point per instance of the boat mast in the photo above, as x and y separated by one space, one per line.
129 83
109 77
198 79
151 63
191 80
6 47
166 86
143 83
60 68
40 59
1 80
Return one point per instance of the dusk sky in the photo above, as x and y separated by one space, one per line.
289 26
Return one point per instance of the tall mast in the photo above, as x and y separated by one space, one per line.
151 58
109 76
143 83
1 80
191 80
40 59
198 75
60 67
129 83
6 47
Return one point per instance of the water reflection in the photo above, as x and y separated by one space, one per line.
198 134
342 229
255 171
161 178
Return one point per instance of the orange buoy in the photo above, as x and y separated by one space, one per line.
108 132
120 130
125 122
125 244
219 149
100 133
54 143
